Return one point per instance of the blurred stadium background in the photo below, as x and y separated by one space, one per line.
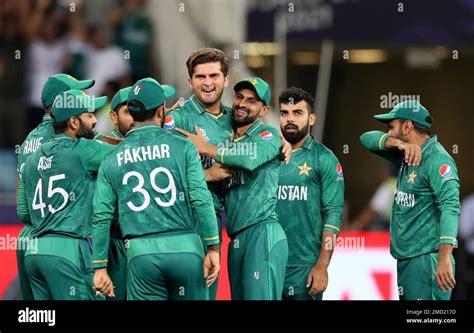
352 55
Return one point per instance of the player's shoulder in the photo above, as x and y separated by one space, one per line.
323 153
438 155
267 133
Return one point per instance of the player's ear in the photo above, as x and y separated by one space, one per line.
312 119
226 81
73 123
113 117
190 85
264 111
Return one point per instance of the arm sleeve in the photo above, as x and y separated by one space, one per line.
22 202
105 203
92 153
374 141
332 190
176 118
200 197
252 153
445 186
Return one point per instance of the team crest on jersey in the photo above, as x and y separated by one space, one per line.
445 170
169 123
266 135
137 89
339 170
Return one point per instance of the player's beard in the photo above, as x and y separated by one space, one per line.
84 131
240 122
122 129
297 136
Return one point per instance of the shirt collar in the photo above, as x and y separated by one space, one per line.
429 142
253 128
115 134
199 108
142 127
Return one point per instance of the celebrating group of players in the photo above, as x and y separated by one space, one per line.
137 214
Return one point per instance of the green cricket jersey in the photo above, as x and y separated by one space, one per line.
426 206
40 135
216 129
155 180
310 200
251 192
55 192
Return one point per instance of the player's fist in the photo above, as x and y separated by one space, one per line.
286 150
211 265
217 172
317 280
412 153
102 282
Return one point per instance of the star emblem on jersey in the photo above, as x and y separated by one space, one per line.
304 169
411 178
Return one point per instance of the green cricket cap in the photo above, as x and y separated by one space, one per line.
59 83
258 85
120 98
150 93
409 110
74 102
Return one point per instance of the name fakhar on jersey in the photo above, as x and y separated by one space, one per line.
292 192
144 153
404 199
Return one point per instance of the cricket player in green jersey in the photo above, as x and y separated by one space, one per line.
258 250
117 264
155 181
55 196
310 199
426 208
55 85
207 68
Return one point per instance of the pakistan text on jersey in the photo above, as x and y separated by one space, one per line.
404 199
145 153
238 178
292 192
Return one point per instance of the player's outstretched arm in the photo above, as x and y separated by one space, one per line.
318 278
332 189
201 199
445 187
104 203
202 204
391 148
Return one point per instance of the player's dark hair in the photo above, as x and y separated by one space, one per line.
60 127
207 55
419 128
143 114
295 95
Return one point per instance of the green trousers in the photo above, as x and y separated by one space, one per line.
257 260
117 268
166 267
61 269
295 285
417 281
23 278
